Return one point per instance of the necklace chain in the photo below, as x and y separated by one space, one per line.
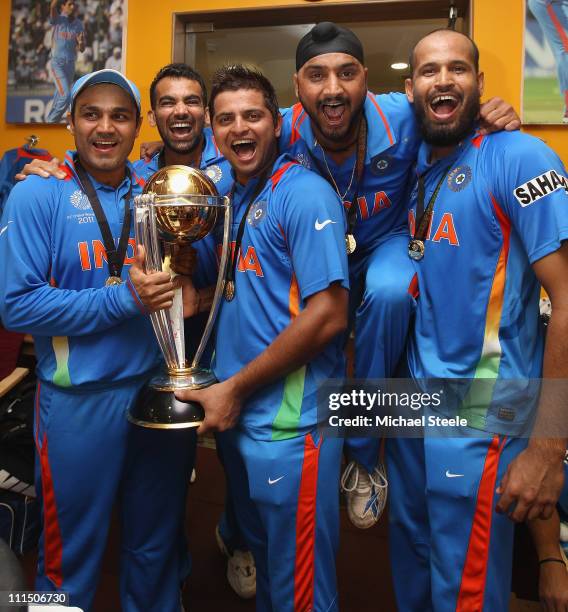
342 197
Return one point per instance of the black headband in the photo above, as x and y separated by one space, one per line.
327 37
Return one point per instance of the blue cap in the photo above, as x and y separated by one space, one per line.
105 76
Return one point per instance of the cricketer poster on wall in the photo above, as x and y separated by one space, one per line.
545 85
53 43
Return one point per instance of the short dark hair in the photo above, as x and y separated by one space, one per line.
177 71
474 48
235 77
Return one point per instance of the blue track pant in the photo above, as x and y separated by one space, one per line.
287 506
449 549
62 73
382 304
89 458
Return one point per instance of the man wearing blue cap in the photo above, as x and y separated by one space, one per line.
66 246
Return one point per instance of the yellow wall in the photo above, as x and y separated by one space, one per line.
497 28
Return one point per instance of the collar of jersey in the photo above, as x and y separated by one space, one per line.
69 161
242 192
423 165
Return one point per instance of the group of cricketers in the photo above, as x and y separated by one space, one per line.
422 221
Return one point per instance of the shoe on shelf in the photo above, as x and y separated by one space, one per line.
241 570
366 494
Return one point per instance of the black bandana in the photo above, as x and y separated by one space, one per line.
327 37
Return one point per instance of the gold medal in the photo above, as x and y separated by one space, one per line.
416 249
350 243
113 280
229 290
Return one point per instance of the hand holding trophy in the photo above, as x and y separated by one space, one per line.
179 206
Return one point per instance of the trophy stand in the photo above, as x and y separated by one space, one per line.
179 205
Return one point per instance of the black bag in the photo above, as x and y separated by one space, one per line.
19 510
17 440
19 521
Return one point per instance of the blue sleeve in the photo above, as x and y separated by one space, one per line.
531 187
313 222
28 303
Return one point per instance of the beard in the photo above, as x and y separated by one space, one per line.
447 134
181 147
342 136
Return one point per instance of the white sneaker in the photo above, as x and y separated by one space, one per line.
366 494
241 570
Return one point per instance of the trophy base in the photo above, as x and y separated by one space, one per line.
157 407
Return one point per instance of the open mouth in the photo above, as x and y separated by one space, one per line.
444 106
245 149
104 145
333 111
181 129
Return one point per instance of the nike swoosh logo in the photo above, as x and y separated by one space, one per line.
271 482
319 226
5 227
450 475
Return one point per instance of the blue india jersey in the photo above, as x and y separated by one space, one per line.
293 246
392 144
64 38
52 282
502 206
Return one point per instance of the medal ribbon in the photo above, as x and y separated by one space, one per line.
425 216
115 257
230 277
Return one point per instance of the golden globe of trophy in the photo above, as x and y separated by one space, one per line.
179 205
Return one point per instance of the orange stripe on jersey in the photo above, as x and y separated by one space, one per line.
559 29
60 89
385 122
497 295
472 586
413 288
297 110
477 141
275 178
305 529
294 297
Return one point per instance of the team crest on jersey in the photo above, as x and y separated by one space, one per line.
380 164
304 160
80 200
256 213
214 173
459 178
540 186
